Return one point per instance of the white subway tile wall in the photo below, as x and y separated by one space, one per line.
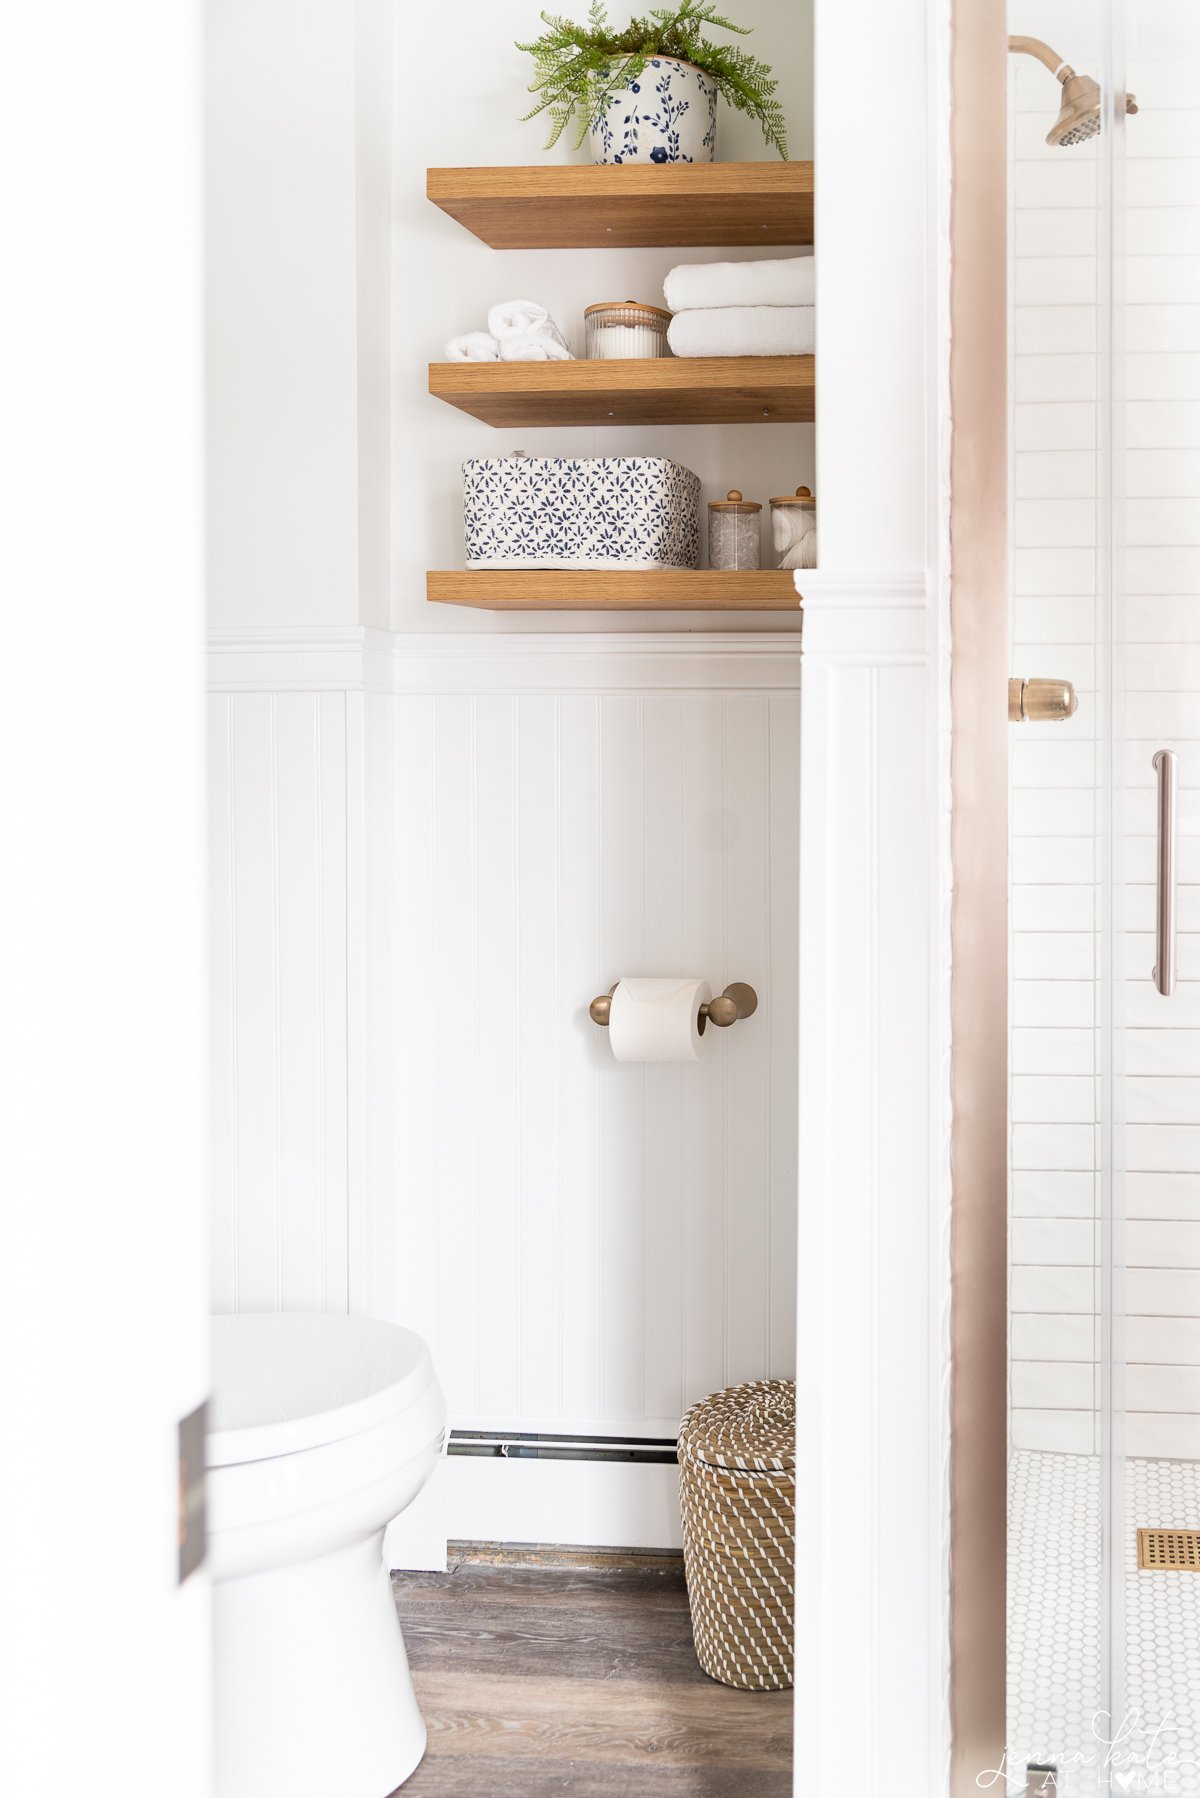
1059 283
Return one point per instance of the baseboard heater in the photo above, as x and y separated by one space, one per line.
646 1451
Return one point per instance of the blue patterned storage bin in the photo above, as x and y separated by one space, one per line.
581 512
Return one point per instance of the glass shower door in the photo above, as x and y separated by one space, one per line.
1104 1234
1151 1058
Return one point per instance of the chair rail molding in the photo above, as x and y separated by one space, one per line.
358 659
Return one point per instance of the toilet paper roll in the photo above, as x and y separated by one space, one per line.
657 1018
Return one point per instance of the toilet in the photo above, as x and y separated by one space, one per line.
322 1428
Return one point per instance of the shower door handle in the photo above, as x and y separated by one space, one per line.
1040 701
1164 898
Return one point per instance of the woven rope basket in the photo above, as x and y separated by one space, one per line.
737 1486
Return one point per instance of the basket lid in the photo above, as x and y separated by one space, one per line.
801 497
752 1427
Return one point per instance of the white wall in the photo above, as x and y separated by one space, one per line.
282 313
374 49
103 1329
1058 771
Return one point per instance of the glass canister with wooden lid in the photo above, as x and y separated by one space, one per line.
733 532
794 528
625 330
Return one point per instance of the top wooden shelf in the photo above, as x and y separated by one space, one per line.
590 205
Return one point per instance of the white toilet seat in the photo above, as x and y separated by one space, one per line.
284 1381
324 1428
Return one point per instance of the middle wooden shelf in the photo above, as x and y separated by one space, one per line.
664 390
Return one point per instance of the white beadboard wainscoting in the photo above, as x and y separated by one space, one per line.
425 863
1058 771
278 898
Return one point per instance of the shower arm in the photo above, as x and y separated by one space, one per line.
1033 46
1062 71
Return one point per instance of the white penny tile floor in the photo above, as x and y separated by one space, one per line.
1056 1707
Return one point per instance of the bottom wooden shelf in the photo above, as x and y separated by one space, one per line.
614 589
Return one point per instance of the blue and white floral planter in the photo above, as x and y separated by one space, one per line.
669 114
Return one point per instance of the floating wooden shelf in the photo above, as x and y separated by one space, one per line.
694 390
614 590
588 206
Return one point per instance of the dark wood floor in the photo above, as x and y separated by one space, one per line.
579 1679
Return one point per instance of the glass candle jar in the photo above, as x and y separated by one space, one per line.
794 529
625 329
733 532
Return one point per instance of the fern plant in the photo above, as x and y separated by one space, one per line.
578 68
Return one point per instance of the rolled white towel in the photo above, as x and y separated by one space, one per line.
534 347
473 346
786 281
524 318
744 331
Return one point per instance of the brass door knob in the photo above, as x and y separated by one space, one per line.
1040 701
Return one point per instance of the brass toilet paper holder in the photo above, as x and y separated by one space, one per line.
737 1001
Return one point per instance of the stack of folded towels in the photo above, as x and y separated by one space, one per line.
517 331
742 308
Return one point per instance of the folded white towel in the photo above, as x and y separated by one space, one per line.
535 347
524 318
787 281
473 346
744 331
516 318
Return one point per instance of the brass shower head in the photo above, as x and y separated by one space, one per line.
1079 115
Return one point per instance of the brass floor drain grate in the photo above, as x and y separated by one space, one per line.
1174 1551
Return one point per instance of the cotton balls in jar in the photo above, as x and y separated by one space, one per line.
794 527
